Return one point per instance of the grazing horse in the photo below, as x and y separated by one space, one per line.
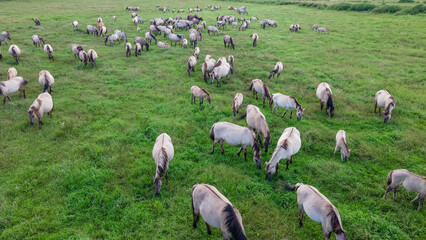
92 29
220 71
243 26
128 49
102 32
12 85
43 104
99 20
314 27
217 211
142 42
237 103
207 66
342 144
191 63
193 38
36 21
200 93
112 38
121 34
76 50
15 52
269 23
235 135
384 100
319 209
287 146
175 38
3 37
46 80
163 45
212 29
92 55
114 18
49 50
231 61
11 73
324 96
287 102
83 57
323 29
409 181
196 52
254 19
255 38
138 49
149 36
74 25
277 70
162 153
228 40
184 43
37 40
256 120
257 86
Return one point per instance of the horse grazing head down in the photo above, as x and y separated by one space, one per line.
157 184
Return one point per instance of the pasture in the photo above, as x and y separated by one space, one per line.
87 174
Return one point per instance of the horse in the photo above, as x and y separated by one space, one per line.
254 19
241 10
37 40
111 38
256 120
138 49
49 50
217 211
287 102
235 135
43 104
92 29
268 22
162 153
46 80
142 42
207 66
243 26
409 181
128 48
257 86
83 57
287 146
76 50
193 37
36 21
323 29
254 37
342 144
175 38
314 27
220 71
231 61
149 36
163 45
384 100
277 70
15 52
11 73
99 20
3 37
121 34
184 43
228 40
74 25
99 25
92 55
319 209
293 28
200 93
102 32
324 96
212 29
237 103
114 18
191 63
196 52
12 85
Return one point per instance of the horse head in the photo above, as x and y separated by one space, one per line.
157 184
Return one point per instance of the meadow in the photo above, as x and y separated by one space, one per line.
87 174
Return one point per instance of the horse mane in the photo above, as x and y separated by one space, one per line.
285 144
205 91
266 90
330 102
334 221
160 166
295 101
390 104
232 224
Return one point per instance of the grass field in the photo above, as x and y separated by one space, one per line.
87 173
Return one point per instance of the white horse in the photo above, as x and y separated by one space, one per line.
200 93
384 100
319 209
255 38
221 71
409 181
237 103
92 55
207 66
12 85
235 135
257 86
46 80
341 143
191 63
277 70
128 48
324 96
76 49
287 146
217 211
287 102
111 38
11 73
196 52
15 52
162 153
43 104
49 50
256 120
37 40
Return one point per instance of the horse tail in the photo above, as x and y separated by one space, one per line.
232 224
155 39
330 102
335 224
203 69
14 54
232 43
243 116
192 197
106 39
251 86
46 83
212 132
289 188
195 44
389 178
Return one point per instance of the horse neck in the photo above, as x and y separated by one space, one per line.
162 162
37 105
344 147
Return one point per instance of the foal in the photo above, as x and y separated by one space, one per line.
277 70
257 86
162 153
191 63
200 93
341 143
254 37
384 100
43 104
207 66
237 103
324 96
12 85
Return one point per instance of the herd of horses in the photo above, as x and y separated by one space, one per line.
207 201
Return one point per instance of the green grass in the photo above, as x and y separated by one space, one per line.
87 173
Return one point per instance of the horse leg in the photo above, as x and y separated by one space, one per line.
263 101
209 232
287 163
245 154
322 105
200 100
221 147
417 197
375 107
300 215
195 216
341 154
388 189
4 100
380 109
421 203
23 91
40 123
278 75
9 98
239 151
260 140
291 112
214 144
335 149
284 112
394 193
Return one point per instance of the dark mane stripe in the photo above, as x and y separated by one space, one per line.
205 91
266 91
285 144
334 221
296 102
232 223
207 186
